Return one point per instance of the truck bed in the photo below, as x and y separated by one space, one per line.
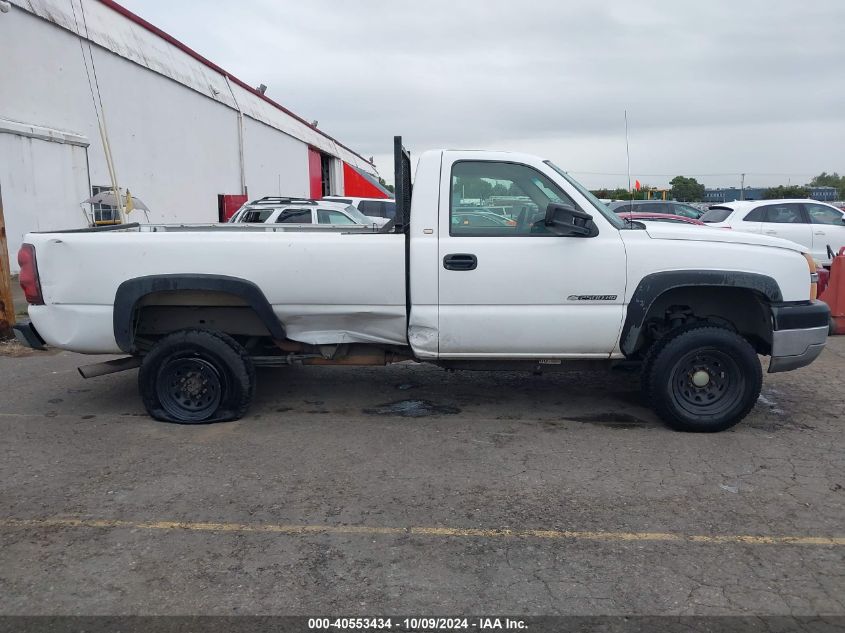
327 285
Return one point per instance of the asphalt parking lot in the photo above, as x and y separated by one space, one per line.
410 489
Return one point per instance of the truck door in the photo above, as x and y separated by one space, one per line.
510 288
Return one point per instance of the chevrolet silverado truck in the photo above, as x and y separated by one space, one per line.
567 282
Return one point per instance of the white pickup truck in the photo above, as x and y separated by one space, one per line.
564 281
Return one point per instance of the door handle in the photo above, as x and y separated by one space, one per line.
770 232
460 261
819 233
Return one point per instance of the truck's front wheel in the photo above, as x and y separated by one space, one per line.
705 379
196 376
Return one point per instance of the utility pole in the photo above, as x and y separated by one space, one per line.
7 306
742 187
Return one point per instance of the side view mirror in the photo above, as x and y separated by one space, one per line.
567 221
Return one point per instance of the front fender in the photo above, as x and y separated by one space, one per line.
653 285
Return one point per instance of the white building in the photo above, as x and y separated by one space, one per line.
182 130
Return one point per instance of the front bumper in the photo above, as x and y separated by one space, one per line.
27 335
799 334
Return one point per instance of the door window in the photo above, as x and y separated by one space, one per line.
255 215
756 215
294 216
475 184
820 214
329 216
787 213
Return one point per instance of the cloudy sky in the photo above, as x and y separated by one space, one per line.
712 89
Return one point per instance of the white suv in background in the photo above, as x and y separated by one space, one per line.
815 225
272 210
371 207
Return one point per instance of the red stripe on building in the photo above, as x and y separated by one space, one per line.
356 185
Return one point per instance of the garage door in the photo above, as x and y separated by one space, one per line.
43 180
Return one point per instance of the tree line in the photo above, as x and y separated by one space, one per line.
685 189
682 188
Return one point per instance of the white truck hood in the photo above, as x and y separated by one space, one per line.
666 231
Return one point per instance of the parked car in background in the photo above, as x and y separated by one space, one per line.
259 210
302 211
371 207
655 206
815 225
660 217
467 216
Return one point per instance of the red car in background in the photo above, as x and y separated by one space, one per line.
661 217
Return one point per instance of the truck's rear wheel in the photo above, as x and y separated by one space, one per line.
705 379
197 376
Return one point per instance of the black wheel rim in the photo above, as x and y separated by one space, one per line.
189 388
707 382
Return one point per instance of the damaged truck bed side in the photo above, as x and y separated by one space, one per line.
549 278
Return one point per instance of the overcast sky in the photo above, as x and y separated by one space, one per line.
712 88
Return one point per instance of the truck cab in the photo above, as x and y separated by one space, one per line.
523 289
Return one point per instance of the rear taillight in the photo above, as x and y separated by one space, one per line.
29 275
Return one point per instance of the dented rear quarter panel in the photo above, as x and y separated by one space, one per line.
324 287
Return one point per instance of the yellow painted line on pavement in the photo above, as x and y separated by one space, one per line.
441 532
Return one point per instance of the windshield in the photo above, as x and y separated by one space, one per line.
598 204
356 215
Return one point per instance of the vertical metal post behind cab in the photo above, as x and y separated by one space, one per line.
402 178
402 193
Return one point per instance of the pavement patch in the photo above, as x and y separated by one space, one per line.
412 409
